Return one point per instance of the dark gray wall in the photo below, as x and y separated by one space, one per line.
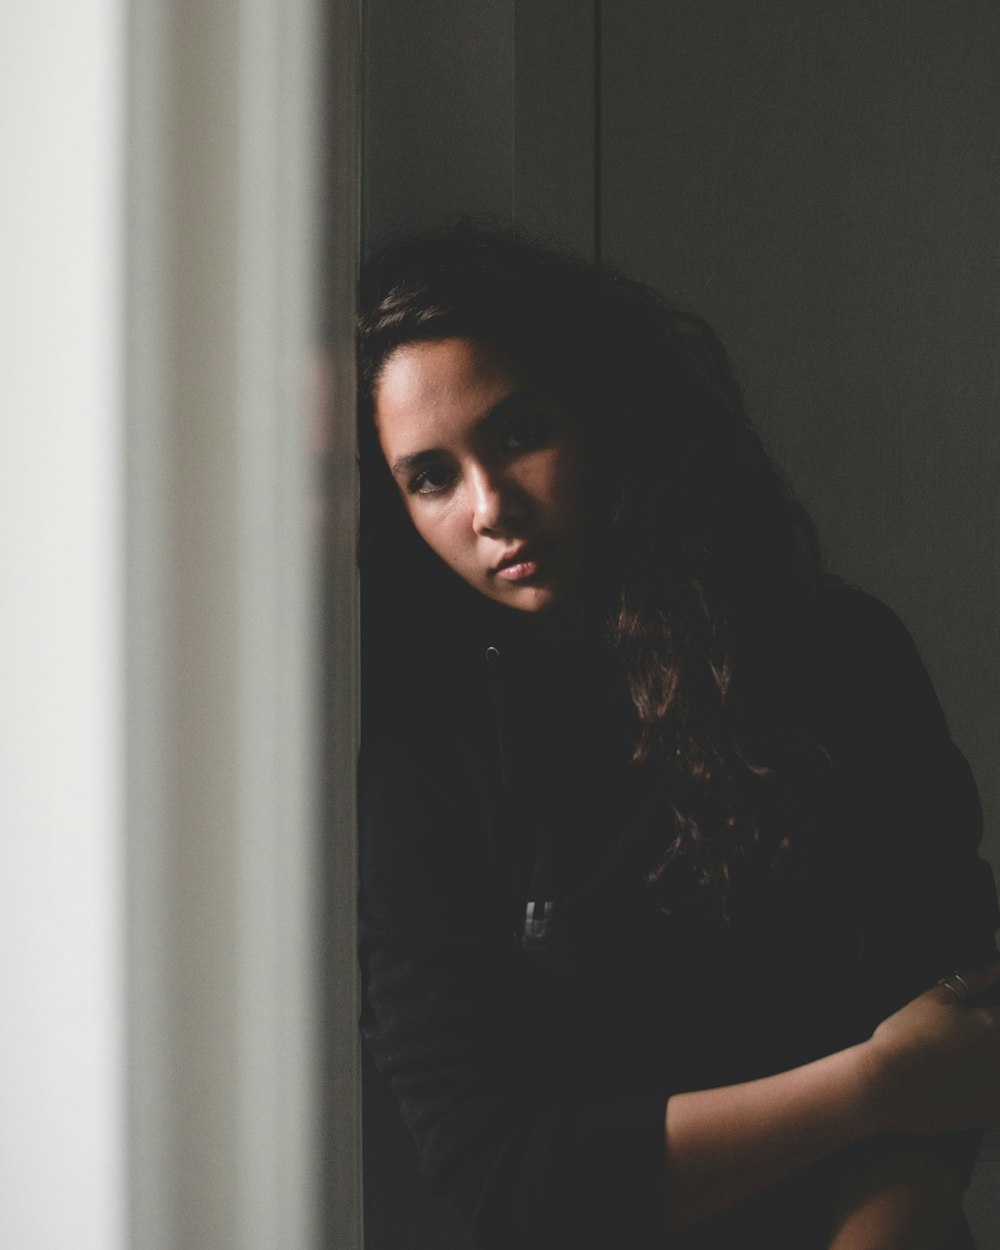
822 182
480 107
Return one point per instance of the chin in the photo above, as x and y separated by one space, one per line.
532 599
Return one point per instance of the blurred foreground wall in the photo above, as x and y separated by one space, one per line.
62 1078
177 433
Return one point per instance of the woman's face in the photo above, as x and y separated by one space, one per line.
491 472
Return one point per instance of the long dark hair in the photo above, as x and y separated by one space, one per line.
712 565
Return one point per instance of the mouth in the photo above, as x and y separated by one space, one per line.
520 565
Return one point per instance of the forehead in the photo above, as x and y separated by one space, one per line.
441 382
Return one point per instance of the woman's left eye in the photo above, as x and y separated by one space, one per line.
527 431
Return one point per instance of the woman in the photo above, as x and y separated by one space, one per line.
659 822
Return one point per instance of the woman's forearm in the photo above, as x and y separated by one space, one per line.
725 1145
901 1202
932 1067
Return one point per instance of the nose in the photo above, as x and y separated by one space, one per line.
498 504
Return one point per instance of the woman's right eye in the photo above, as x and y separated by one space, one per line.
431 481
528 430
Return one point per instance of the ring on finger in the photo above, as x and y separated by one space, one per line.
958 985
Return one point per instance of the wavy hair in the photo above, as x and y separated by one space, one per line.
711 565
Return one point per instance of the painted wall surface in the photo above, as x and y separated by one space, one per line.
62 1081
483 109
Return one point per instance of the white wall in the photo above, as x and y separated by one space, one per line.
161 788
61 828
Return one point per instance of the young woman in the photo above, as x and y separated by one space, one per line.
665 845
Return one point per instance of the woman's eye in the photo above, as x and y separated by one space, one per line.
431 481
525 432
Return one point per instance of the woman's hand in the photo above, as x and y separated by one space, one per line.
935 1063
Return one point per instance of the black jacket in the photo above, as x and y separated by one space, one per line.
531 1002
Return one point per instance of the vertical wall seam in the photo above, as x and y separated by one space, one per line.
598 110
513 113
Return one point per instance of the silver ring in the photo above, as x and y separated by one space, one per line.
962 990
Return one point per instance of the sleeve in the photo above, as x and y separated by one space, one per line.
928 902
526 1156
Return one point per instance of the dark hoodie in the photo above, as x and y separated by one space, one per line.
532 1002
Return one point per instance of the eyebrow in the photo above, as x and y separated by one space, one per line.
516 399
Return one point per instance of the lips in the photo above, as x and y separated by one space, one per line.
520 564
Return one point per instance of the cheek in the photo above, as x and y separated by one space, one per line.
568 485
440 530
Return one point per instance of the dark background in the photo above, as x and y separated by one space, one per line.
822 182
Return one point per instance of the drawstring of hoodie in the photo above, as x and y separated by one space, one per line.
539 915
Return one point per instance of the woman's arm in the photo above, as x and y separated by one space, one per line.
905 1201
933 1067
725 1145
